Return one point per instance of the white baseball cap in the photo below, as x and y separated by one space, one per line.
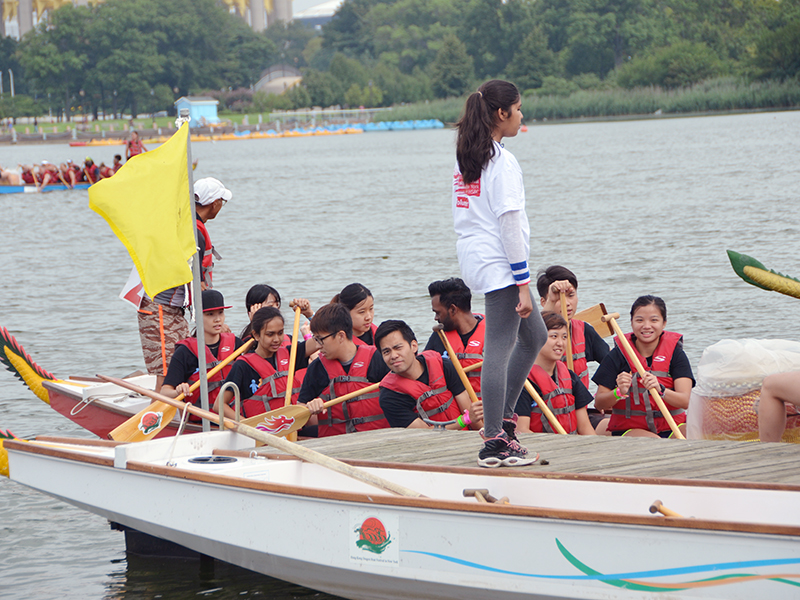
209 189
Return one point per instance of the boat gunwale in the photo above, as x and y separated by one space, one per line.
408 502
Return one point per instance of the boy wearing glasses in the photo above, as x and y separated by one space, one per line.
342 368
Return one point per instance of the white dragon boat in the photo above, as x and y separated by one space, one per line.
549 536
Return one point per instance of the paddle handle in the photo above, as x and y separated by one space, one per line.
292 357
439 328
563 298
551 418
223 363
657 506
292 448
612 318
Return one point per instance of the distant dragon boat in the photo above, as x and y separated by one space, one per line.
32 189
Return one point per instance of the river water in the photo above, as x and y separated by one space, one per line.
632 207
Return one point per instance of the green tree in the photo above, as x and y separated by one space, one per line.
778 52
298 96
323 88
675 66
452 71
533 61
290 41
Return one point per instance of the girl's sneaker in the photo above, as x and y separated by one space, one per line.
500 451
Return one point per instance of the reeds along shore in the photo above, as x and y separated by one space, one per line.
718 95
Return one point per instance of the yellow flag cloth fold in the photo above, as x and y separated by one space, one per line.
147 205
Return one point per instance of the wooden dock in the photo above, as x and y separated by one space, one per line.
777 463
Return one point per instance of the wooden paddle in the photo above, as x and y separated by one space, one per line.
131 430
657 506
292 448
292 436
439 328
551 418
564 313
612 318
594 317
287 419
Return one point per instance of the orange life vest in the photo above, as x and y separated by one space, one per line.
638 410
434 402
471 354
558 397
362 413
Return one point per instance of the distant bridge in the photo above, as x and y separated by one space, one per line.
27 13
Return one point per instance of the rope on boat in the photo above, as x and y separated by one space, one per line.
184 415
108 397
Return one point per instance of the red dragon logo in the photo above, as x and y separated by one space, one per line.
276 424
150 421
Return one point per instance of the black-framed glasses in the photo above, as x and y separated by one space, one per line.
319 340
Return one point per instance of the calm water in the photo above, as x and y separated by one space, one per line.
631 207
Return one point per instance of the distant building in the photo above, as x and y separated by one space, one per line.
202 109
316 16
277 79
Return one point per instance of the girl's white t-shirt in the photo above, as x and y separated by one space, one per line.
477 208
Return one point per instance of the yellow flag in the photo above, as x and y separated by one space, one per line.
146 203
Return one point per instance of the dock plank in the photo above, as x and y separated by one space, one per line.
593 455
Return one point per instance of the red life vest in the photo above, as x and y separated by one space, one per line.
207 264
558 397
27 177
471 354
359 342
134 147
638 410
271 393
227 345
578 338
435 403
362 413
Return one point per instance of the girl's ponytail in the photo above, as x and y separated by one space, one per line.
474 144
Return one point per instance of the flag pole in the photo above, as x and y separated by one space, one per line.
197 294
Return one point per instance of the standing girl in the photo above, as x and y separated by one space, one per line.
668 372
493 247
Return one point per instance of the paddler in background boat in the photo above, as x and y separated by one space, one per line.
451 302
184 367
118 163
161 320
9 177
48 173
261 376
134 146
91 172
341 368
359 301
421 390
28 176
488 205
67 174
560 388
634 413
776 390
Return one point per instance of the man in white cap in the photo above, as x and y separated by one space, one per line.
161 320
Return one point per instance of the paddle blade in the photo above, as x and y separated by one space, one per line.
594 317
281 421
144 425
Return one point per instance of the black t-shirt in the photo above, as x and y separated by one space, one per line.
579 392
596 347
247 378
367 337
435 342
614 363
184 363
317 379
401 409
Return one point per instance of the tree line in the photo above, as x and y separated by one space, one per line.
143 54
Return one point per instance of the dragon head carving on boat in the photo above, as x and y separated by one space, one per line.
20 363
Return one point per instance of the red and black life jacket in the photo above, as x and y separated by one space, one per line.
638 410
271 393
359 342
227 345
362 413
559 398
434 401
28 177
471 354
134 147
207 264
580 366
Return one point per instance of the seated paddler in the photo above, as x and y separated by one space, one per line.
422 391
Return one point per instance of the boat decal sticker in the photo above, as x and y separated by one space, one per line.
276 424
633 580
374 538
150 421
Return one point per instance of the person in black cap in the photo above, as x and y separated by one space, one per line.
184 366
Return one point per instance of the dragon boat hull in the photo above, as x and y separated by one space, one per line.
567 536
101 408
32 189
